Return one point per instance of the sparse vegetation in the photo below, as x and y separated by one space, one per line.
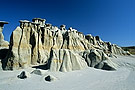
131 49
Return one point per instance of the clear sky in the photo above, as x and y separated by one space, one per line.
112 20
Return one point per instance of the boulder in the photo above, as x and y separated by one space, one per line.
23 75
37 72
50 78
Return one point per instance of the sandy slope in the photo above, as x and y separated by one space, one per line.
86 79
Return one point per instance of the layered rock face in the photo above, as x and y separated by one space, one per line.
66 60
60 49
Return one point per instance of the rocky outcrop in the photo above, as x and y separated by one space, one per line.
3 44
39 43
94 57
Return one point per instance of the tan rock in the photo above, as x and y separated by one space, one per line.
36 43
66 60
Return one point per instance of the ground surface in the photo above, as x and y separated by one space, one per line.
87 79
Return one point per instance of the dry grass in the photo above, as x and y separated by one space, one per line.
130 49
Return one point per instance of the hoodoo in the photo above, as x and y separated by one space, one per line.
3 43
58 49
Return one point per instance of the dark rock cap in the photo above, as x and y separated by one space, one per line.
38 19
24 21
63 25
35 23
48 24
3 22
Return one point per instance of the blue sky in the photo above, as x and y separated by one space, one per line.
112 20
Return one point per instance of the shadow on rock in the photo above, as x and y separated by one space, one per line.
3 53
43 67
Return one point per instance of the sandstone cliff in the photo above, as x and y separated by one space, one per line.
59 49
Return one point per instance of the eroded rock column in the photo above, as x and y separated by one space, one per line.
3 43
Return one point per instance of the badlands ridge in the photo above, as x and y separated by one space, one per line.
43 45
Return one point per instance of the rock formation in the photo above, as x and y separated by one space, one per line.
3 44
66 60
50 78
39 43
24 75
37 72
